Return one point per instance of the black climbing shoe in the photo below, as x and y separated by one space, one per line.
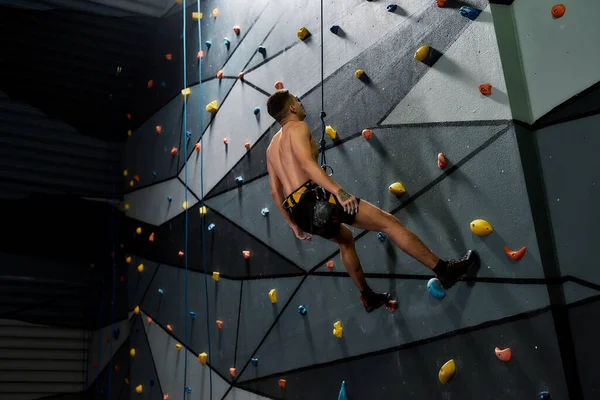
456 269
373 300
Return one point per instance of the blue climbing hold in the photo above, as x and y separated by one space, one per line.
154 174
262 50
256 110
208 43
163 84
227 42
435 288
392 7
188 134
211 227
302 310
193 315
334 29
160 291
343 395
116 333
265 212
544 395
169 198
381 236
469 12
239 180
188 389
254 361
137 328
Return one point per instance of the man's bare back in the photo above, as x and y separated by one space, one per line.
283 162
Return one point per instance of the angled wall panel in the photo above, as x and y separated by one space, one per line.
142 370
138 282
100 351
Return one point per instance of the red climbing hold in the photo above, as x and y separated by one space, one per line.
122 278
180 254
367 134
174 151
504 355
236 29
226 141
330 264
107 340
278 85
441 3
169 56
198 147
485 89
150 84
246 254
169 328
117 367
282 383
158 129
441 161
137 178
128 116
151 237
241 75
558 10
247 145
515 255
220 74
219 324
95 364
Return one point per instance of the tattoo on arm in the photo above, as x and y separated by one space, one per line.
343 195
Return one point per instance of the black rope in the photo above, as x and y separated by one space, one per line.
323 115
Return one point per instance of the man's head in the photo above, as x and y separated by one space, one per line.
282 105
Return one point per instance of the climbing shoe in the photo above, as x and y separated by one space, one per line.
456 269
373 300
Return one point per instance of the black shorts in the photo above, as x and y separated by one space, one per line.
317 211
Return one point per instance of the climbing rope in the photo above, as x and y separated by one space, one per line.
185 250
323 114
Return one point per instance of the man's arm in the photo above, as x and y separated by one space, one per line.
277 193
302 151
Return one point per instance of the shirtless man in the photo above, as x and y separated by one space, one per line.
312 203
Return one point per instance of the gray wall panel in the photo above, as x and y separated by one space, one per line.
299 341
584 327
99 351
571 173
170 368
142 371
137 283
412 373
575 292
169 309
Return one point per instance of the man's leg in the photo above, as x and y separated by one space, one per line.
345 240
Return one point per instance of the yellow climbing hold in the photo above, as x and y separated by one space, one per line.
138 230
139 389
131 183
202 357
202 210
128 259
184 205
140 268
337 329
273 295
422 53
126 206
136 310
332 133
302 33
132 352
397 188
212 107
178 346
125 172
129 132
196 16
447 371
359 73
481 227
185 93
216 276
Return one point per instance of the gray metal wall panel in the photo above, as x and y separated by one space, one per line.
585 322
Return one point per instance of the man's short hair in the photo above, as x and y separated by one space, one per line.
277 104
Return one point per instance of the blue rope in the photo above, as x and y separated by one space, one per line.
186 194
202 205
114 284
323 115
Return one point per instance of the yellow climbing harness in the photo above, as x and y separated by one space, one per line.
296 195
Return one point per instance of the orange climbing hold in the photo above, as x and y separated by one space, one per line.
151 237
441 3
150 84
247 145
149 320
226 141
236 29
198 147
241 75
169 56
558 10
504 355
233 372
442 161
166 397
200 54
278 85
330 264
169 328
174 151
158 129
215 12
180 254
515 255
219 324
485 89
282 383
128 116
246 254
367 134
136 177
220 74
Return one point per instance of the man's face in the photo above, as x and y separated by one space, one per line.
297 108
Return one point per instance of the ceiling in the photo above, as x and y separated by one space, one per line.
117 8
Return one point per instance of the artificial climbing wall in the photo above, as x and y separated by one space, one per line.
256 348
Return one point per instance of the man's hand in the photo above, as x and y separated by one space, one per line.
300 234
347 201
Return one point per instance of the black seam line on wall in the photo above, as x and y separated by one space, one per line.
274 251
149 283
429 186
189 189
154 182
250 390
503 2
287 303
544 231
237 332
252 85
246 32
416 343
542 125
265 60
184 345
583 282
142 328
483 122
